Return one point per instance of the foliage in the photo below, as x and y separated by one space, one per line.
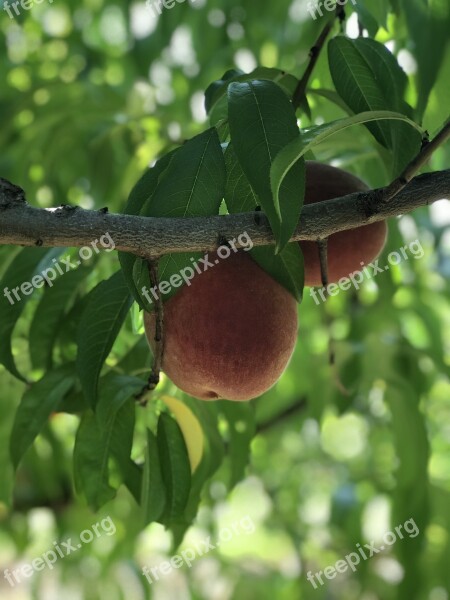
96 97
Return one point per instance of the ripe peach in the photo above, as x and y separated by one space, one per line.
346 249
230 334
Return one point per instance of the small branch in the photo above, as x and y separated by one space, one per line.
148 237
298 406
428 148
159 328
158 352
323 258
314 54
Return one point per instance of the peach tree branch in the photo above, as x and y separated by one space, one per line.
70 226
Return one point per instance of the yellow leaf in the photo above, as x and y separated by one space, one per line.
190 427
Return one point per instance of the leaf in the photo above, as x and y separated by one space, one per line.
90 463
216 94
153 498
35 408
262 122
21 270
239 195
95 445
107 307
428 24
194 183
140 195
115 391
368 78
48 316
286 267
190 427
175 466
315 135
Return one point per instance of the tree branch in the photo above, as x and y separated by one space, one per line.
148 237
417 163
300 90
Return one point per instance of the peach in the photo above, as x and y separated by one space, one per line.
230 333
346 249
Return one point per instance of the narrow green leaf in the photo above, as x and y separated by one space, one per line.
90 463
95 445
368 78
153 498
175 466
137 203
48 316
107 307
239 195
192 185
36 406
428 24
114 391
315 135
216 93
194 182
262 122
20 271
286 267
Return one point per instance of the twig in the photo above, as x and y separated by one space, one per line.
159 328
298 406
314 54
158 350
426 152
323 258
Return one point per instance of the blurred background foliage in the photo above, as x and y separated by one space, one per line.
91 93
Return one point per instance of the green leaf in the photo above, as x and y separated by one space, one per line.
139 198
262 122
153 498
107 307
216 93
90 463
428 22
368 78
114 391
95 445
315 135
286 267
36 406
21 270
175 466
239 195
194 183
48 316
